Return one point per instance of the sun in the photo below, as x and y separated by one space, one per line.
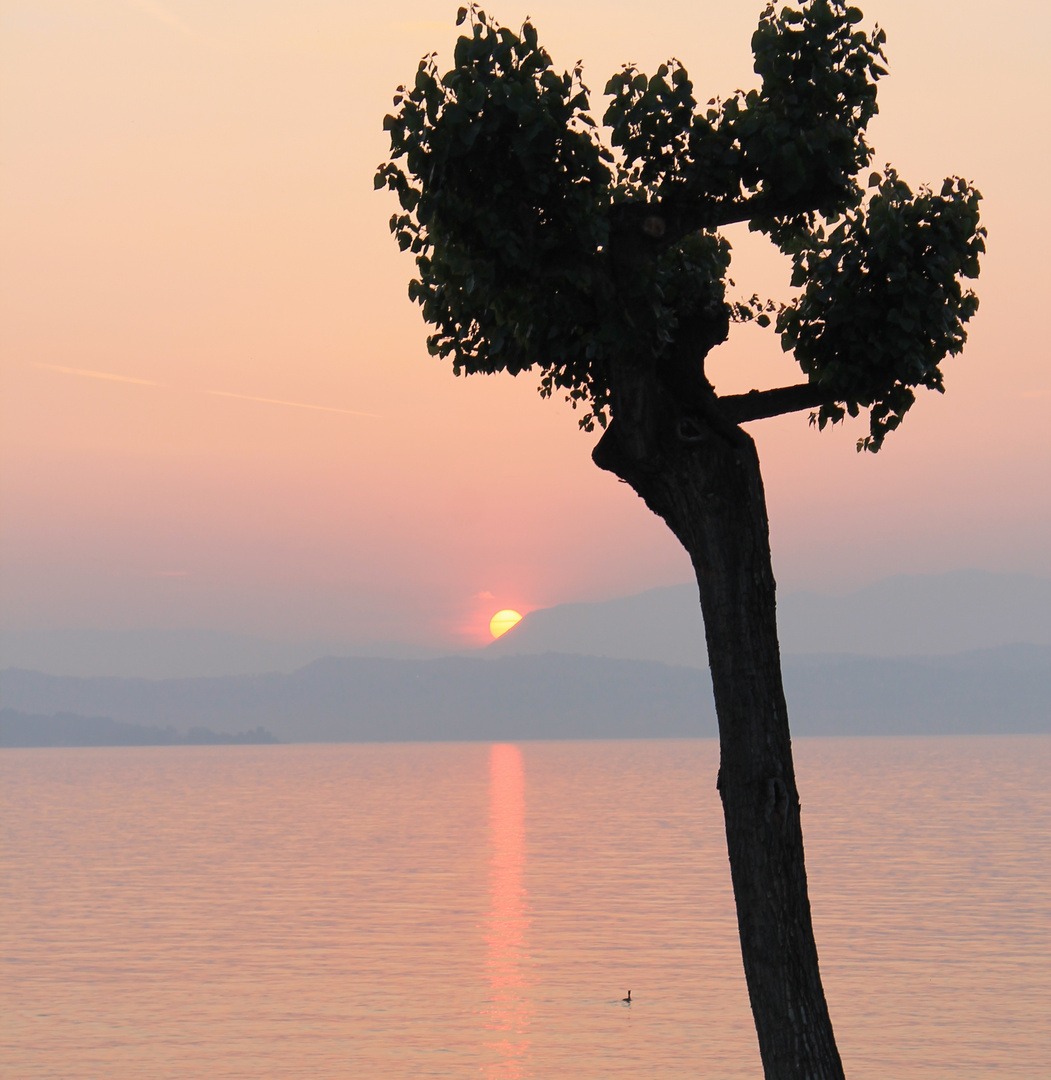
502 621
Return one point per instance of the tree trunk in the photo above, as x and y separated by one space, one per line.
702 477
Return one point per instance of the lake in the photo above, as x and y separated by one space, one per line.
462 910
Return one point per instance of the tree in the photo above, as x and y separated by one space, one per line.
599 263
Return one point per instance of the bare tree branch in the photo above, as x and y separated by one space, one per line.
760 404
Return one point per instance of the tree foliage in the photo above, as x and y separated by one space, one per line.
543 240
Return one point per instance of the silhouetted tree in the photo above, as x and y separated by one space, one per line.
594 257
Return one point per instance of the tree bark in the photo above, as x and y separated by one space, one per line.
701 475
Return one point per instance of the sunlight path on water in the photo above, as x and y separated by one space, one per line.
508 1014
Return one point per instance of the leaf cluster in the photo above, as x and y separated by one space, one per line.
503 191
539 245
882 299
800 135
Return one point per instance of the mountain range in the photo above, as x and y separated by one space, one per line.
963 652
551 696
918 615
907 615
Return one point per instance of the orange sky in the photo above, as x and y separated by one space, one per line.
186 202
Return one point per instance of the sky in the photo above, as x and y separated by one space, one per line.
216 405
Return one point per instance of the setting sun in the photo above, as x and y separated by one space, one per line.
502 621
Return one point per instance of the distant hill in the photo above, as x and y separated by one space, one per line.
361 699
19 729
921 615
174 654
1005 690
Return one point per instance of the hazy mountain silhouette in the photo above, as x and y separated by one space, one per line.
558 696
960 652
920 615
173 654
19 729
340 699
917 615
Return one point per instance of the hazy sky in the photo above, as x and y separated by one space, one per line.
186 208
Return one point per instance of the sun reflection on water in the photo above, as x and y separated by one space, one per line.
508 1008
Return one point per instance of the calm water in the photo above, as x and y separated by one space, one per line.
473 910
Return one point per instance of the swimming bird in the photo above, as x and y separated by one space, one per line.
627 1000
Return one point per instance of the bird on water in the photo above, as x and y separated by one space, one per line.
627 1000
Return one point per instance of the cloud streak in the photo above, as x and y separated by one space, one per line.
110 377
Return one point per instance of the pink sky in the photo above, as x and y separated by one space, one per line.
186 202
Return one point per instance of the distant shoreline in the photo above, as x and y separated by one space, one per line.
714 739
36 731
